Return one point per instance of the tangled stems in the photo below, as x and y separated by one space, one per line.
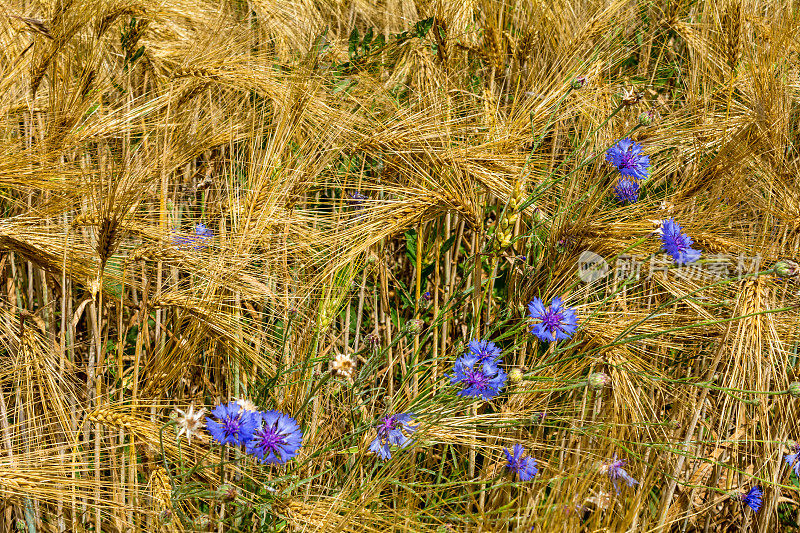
535 194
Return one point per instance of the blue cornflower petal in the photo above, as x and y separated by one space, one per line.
793 462
383 450
627 156
555 322
524 467
393 430
201 230
355 198
233 425
678 244
276 439
616 472
198 241
627 191
753 498
485 350
479 379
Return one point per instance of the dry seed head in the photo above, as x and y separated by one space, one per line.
732 25
190 422
631 97
669 207
343 365
112 418
106 238
246 405
161 488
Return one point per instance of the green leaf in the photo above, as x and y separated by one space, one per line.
137 54
353 43
343 85
422 27
367 40
411 246
446 245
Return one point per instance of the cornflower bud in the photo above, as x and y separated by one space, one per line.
165 517
227 493
373 340
598 380
786 268
414 326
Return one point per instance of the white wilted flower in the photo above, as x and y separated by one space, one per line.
189 422
342 365
246 405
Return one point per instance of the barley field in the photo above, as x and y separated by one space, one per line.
399 266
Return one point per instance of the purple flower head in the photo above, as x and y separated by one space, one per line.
478 379
793 461
678 244
524 467
627 156
233 425
277 438
552 323
393 430
198 241
627 191
356 199
616 472
753 498
485 350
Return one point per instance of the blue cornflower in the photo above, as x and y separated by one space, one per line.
276 439
356 201
355 198
198 241
677 244
391 432
627 156
479 378
554 322
616 472
753 498
524 467
793 461
627 191
234 425
485 350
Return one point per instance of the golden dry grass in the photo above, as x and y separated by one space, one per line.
123 123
